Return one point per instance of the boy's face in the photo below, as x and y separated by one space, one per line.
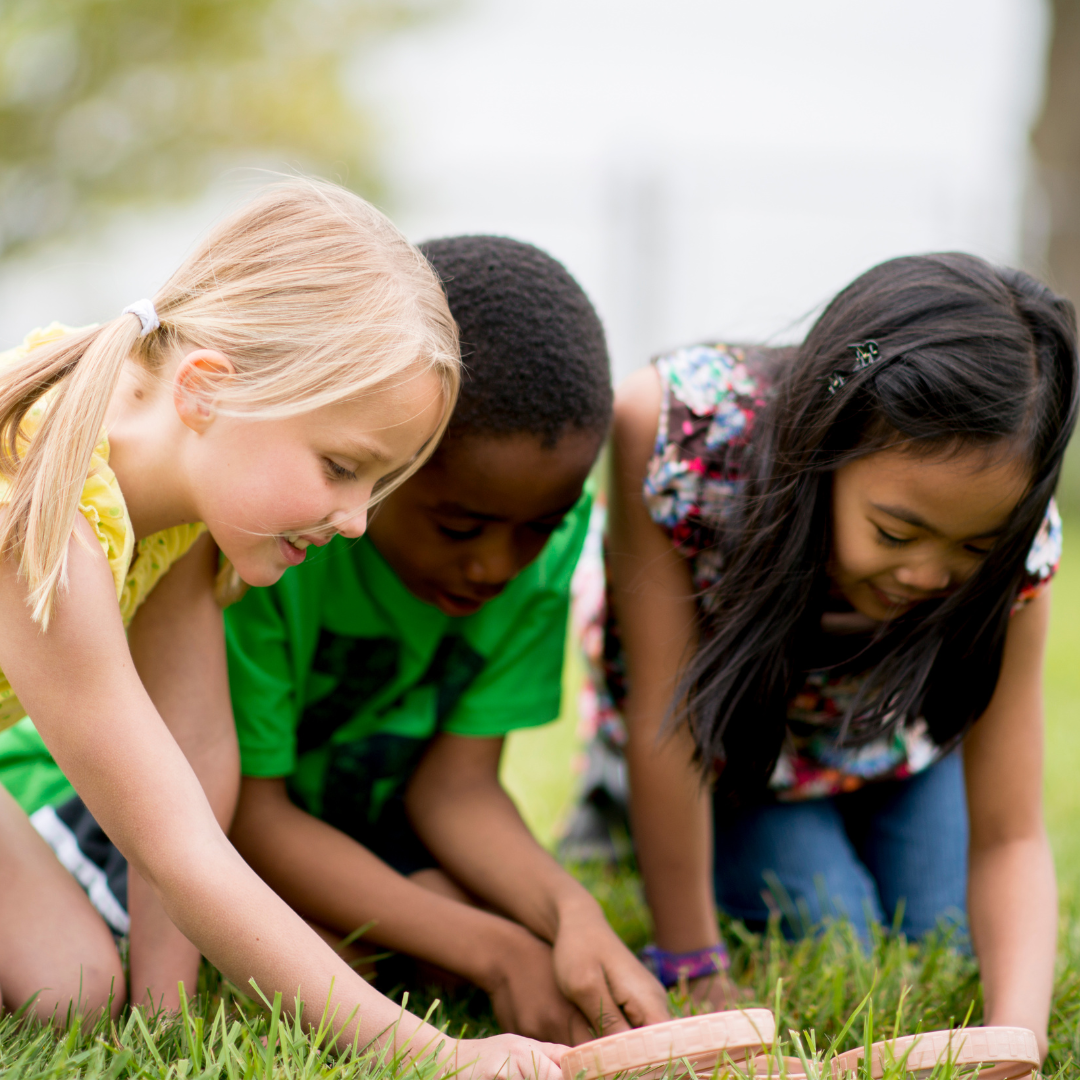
478 513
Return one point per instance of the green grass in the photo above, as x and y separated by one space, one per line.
827 987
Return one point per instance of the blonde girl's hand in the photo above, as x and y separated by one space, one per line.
504 1057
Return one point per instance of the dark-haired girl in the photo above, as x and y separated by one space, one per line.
835 559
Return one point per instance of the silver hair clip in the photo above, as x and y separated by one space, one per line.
866 352
147 314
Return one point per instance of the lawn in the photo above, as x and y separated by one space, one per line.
826 986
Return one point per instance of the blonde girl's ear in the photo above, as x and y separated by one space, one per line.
196 384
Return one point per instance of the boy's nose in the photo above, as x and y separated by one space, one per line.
493 567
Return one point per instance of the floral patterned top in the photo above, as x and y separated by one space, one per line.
711 397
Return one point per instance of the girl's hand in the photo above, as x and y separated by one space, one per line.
505 1057
715 993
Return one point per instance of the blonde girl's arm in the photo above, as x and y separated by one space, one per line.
671 810
177 643
1012 894
79 682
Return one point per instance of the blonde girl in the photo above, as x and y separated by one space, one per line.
300 362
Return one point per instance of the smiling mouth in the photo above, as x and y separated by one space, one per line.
892 601
297 541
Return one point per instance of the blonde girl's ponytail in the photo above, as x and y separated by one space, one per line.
48 473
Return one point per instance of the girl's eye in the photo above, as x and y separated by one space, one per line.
460 534
338 472
978 552
889 540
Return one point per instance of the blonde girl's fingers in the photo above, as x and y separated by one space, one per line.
554 1051
542 1062
506 1057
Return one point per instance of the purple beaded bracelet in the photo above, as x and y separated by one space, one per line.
671 967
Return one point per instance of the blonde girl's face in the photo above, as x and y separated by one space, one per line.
270 490
908 528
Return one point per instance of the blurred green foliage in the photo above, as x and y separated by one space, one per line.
109 102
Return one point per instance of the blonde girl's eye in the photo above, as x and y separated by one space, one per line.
338 472
889 540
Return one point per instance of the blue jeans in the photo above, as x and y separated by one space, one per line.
858 855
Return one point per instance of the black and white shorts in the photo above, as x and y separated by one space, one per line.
94 861
90 856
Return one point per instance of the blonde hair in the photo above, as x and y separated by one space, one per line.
310 292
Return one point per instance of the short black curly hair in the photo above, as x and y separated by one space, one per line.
532 347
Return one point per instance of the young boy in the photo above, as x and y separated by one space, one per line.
373 686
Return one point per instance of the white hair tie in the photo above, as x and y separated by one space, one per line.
147 315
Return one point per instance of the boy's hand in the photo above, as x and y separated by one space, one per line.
525 996
600 975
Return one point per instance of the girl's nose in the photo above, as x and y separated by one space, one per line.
929 576
350 523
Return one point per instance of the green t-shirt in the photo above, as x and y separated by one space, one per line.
340 676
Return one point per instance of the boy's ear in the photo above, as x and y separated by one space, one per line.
196 383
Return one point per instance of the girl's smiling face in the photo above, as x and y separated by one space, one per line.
267 489
908 528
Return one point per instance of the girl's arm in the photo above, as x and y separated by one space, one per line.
1012 894
177 642
671 809
80 684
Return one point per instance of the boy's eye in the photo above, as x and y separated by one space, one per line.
545 528
460 534
889 540
338 472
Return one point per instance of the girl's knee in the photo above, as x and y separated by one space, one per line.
54 996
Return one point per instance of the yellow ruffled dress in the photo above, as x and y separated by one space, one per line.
136 566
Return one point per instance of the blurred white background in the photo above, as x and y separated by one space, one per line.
706 168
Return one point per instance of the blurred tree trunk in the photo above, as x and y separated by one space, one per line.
1056 139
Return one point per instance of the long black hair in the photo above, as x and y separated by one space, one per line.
968 354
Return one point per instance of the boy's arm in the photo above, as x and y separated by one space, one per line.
178 646
459 809
334 881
